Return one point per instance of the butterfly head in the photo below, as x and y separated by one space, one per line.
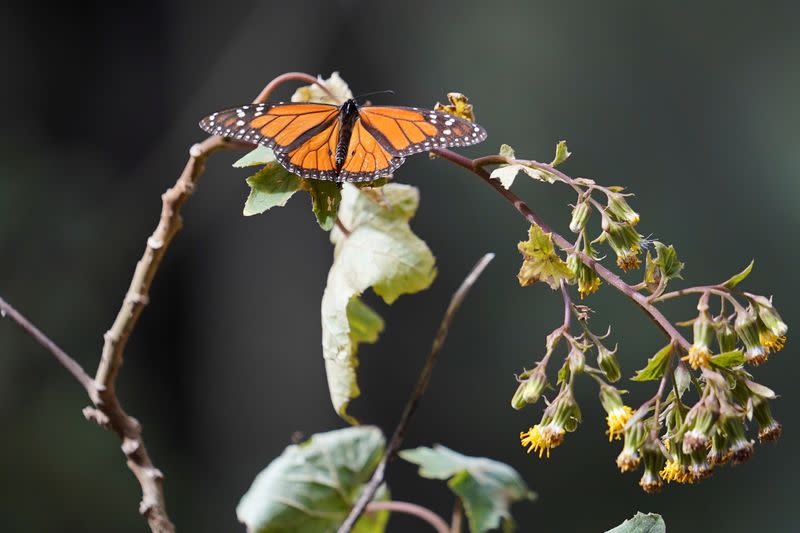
349 107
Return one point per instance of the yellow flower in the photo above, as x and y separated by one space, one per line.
586 288
674 471
773 343
629 259
698 356
617 419
541 438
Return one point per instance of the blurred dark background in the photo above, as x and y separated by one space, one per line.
693 106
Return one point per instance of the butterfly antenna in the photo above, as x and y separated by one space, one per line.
386 91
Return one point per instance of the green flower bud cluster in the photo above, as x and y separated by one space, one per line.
626 242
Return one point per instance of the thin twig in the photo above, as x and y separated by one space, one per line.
567 306
662 386
458 516
413 509
612 279
284 78
422 384
66 361
109 413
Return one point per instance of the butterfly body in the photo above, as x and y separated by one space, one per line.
348 114
346 142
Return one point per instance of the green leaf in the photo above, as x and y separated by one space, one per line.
380 252
729 359
365 324
486 488
563 373
540 261
507 173
655 365
641 523
271 187
311 486
738 278
652 275
562 154
325 199
260 156
667 260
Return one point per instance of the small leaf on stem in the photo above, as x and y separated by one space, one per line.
738 278
487 488
655 365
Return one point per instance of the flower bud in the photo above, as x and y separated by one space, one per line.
746 327
564 410
739 447
629 458
700 421
769 429
700 468
726 336
576 360
531 385
770 317
653 461
625 241
580 214
719 453
620 210
608 363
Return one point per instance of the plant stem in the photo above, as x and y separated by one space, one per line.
567 306
413 509
66 361
612 279
267 91
458 516
413 401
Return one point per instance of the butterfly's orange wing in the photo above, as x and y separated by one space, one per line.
367 159
313 157
303 136
409 130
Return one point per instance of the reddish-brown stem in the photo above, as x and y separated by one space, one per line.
567 306
412 509
267 91
612 279
458 516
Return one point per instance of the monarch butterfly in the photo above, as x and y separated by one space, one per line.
342 143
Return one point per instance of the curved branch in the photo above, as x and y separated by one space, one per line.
411 406
475 166
138 292
413 509
284 78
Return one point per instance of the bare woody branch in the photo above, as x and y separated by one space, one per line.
107 410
